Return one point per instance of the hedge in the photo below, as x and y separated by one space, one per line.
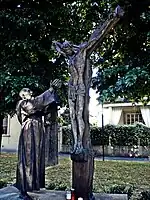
120 135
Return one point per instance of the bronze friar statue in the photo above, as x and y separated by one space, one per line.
31 148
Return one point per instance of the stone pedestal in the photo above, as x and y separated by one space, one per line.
9 193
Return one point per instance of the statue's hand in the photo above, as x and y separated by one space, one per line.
119 11
56 83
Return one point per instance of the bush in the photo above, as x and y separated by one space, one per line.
143 134
121 189
57 186
3 183
145 195
123 136
119 135
67 136
97 136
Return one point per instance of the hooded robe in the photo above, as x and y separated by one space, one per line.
31 148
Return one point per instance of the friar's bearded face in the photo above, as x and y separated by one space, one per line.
26 93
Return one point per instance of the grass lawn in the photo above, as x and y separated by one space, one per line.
8 167
107 173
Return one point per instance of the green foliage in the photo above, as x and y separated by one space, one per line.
8 163
67 136
3 183
124 136
28 28
118 135
65 117
58 186
143 133
97 136
126 57
121 189
110 176
27 60
145 195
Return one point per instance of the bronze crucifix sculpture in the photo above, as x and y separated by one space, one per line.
78 98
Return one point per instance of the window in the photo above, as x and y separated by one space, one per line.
131 118
6 126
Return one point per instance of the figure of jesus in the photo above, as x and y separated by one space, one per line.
80 77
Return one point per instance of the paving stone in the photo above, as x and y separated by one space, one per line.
111 196
9 193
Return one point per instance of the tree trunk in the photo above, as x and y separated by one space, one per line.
1 130
51 138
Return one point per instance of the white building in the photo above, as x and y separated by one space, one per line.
11 136
126 113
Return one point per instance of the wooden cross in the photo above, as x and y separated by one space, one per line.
78 98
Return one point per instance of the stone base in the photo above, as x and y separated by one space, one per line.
111 196
60 195
9 193
12 193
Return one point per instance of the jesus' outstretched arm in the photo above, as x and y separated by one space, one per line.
103 29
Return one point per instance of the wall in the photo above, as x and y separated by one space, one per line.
116 150
10 141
